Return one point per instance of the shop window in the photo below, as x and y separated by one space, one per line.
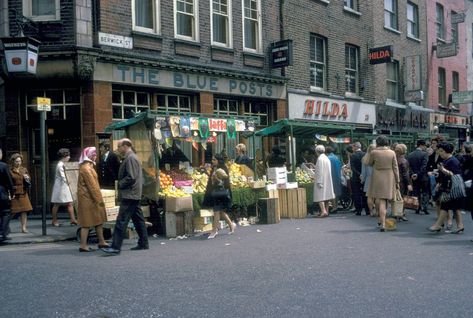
392 81
318 61
221 22
42 10
439 21
186 19
173 103
442 92
146 16
351 68
125 104
65 104
390 14
252 25
412 20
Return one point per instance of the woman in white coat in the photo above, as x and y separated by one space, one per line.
61 192
323 188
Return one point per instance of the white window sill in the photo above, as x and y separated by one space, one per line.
185 38
441 40
352 95
350 10
44 18
413 38
318 90
392 30
219 45
324 1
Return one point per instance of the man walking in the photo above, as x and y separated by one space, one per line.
130 184
108 166
418 165
357 193
6 189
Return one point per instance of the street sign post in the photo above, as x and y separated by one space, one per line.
43 104
462 97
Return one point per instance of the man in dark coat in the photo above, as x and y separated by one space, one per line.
6 189
418 160
358 197
108 166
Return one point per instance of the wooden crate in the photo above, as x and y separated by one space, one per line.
179 223
112 213
202 224
293 203
269 212
273 193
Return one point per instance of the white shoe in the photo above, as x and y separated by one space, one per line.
212 235
233 228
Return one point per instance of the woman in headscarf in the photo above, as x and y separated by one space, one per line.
91 208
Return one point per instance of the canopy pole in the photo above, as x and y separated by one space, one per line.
254 157
293 163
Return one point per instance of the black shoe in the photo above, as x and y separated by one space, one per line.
86 250
418 211
110 251
139 248
426 212
5 238
358 213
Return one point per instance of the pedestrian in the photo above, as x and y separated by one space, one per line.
336 166
62 195
20 202
323 188
241 156
218 195
6 191
468 177
405 183
418 160
432 169
366 172
130 189
385 177
359 200
108 166
90 205
450 182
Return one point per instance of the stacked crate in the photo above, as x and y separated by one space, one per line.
293 203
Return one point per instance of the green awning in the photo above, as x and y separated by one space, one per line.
129 122
305 128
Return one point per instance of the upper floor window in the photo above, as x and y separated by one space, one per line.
318 61
439 21
454 30
186 19
252 25
126 103
174 103
351 68
442 90
412 20
221 22
146 15
390 14
455 82
42 10
352 4
392 81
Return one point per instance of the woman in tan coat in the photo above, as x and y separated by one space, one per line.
20 202
385 177
90 205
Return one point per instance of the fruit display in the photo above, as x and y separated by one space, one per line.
179 175
199 181
173 192
237 179
165 180
303 176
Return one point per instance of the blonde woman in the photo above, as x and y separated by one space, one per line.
20 202
366 171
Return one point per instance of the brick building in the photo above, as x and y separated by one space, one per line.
100 61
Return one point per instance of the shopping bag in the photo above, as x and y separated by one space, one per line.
397 205
411 202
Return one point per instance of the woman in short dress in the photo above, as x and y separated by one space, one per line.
20 202
61 192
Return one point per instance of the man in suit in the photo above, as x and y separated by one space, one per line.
418 165
358 197
108 166
6 190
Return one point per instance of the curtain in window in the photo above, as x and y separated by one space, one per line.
144 13
43 7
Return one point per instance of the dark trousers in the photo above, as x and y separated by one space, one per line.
130 209
421 191
358 196
5 216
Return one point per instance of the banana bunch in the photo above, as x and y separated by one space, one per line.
173 192
302 176
199 181
237 179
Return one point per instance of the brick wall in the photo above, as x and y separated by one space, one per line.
96 110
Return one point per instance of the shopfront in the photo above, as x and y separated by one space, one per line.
456 128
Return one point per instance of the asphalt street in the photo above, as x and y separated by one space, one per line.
339 266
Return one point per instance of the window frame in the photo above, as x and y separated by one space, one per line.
355 70
393 16
122 104
351 4
454 30
439 22
195 25
28 12
229 35
395 82
156 18
414 23
258 40
313 85
441 87
177 109
455 81
63 104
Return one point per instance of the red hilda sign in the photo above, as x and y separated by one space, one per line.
328 109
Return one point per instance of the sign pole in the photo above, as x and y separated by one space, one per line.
43 168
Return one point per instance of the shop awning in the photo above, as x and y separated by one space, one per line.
305 128
129 122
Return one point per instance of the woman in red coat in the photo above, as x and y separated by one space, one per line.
20 202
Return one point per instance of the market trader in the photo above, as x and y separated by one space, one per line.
130 185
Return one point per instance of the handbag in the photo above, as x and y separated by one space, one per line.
456 190
411 202
397 205
220 194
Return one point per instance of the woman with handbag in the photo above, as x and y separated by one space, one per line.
385 178
405 184
218 195
20 202
450 188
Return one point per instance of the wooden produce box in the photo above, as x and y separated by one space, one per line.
112 213
273 193
108 198
269 212
202 224
293 203
179 223
181 204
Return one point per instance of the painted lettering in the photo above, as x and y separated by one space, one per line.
201 82
344 113
152 77
178 80
269 90
214 84
189 82
243 87
326 111
261 86
335 110
233 85
252 90
137 74
318 107
379 55
309 107
123 70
